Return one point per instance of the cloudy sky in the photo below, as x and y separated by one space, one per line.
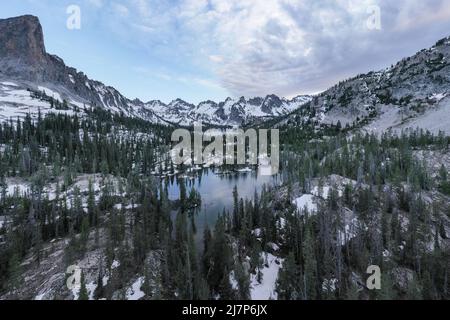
212 49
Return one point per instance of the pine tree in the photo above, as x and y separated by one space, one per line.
99 290
257 261
207 238
310 273
387 288
286 286
243 281
183 197
83 293
14 272
219 255
352 293
414 291
225 290
236 217
84 237
91 204
146 286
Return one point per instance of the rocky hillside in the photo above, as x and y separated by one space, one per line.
26 67
413 93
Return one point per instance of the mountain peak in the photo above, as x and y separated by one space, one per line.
21 38
23 57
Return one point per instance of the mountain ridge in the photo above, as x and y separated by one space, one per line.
413 93
23 58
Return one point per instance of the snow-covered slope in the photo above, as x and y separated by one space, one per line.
413 93
19 98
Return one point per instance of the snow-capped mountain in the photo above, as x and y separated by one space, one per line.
30 78
229 112
414 93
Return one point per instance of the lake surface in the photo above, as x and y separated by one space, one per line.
217 193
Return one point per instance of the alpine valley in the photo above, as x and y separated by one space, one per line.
91 207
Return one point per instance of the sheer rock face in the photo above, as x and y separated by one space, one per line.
22 39
22 51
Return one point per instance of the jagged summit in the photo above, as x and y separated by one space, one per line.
22 48
22 39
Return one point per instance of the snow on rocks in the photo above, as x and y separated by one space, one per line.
349 231
9 84
16 187
269 275
306 201
16 102
281 223
135 292
2 221
329 285
115 264
119 206
257 232
438 96
323 193
233 282
266 289
41 296
402 277
273 246
49 92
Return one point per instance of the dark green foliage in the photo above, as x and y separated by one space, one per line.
388 183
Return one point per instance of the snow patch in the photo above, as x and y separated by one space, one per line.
329 285
135 292
438 96
266 289
350 231
51 93
9 84
115 264
307 202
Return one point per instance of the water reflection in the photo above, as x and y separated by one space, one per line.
217 193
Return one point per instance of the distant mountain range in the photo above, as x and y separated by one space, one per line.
25 64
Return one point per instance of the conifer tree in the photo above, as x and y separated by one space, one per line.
99 290
243 282
83 293
286 286
310 262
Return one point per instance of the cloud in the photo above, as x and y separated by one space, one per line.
120 9
186 80
285 47
96 3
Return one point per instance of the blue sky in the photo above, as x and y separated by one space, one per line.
211 49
